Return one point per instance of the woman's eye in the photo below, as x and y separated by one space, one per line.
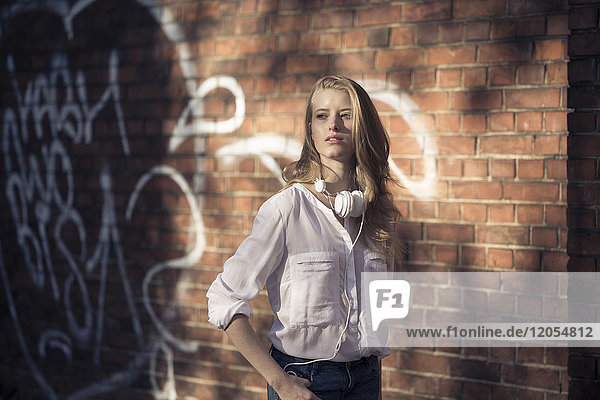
321 116
346 116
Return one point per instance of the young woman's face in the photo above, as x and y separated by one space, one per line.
331 125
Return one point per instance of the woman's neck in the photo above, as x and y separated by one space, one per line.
338 178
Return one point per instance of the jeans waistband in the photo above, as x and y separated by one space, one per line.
365 359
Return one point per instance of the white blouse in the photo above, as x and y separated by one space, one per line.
299 249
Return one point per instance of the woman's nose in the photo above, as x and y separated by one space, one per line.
333 125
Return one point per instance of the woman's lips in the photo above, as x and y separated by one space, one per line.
334 139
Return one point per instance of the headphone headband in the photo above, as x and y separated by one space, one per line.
346 204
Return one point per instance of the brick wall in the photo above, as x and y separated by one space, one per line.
138 141
583 174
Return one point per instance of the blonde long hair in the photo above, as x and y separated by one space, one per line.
371 172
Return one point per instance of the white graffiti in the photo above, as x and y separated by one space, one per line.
266 148
39 117
31 182
199 125
407 109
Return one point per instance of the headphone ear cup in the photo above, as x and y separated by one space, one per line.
358 203
320 185
349 204
343 203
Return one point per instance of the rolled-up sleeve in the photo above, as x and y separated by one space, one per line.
245 273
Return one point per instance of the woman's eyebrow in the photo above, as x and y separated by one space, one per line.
327 109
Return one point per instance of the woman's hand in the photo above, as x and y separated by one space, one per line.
292 387
288 387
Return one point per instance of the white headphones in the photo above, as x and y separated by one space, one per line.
346 203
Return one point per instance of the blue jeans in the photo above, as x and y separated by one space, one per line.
330 380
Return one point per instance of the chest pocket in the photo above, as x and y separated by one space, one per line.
374 262
314 290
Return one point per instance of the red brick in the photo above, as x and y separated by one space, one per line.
405 145
505 145
423 78
399 58
289 23
436 11
477 100
475 77
450 232
449 55
474 123
530 214
354 61
420 252
555 121
309 41
531 26
248 26
549 50
474 212
530 169
256 45
504 29
331 40
456 145
449 211
265 65
423 362
402 36
307 63
529 121
556 215
449 77
531 191
354 39
378 15
556 73
533 98
447 122
286 105
424 209
332 19
502 75
450 32
544 237
546 144
556 169
503 168
477 190
501 121
477 30
531 376
502 258
530 74
478 8
472 255
502 213
500 234
450 167
475 369
505 52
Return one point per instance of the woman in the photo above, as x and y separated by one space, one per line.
334 219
